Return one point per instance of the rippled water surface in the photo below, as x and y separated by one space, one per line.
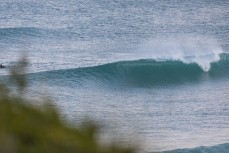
152 70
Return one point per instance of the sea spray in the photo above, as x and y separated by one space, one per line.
202 51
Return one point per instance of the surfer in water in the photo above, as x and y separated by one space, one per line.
2 66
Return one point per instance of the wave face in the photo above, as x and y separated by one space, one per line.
222 148
143 72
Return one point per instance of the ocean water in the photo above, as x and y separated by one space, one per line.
150 71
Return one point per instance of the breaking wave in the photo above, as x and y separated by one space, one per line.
141 72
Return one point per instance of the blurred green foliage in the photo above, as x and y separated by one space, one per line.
25 128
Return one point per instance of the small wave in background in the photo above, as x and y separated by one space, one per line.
222 148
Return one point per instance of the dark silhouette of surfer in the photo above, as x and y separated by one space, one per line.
2 66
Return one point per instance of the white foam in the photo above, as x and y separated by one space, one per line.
200 50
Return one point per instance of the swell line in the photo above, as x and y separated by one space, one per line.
34 32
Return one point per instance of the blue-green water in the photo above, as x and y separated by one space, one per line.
154 71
